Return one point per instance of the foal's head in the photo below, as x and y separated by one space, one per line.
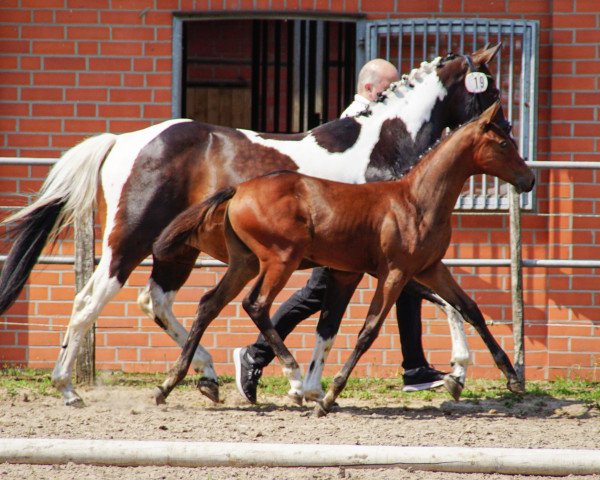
495 152
464 103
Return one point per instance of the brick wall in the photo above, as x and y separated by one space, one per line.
72 68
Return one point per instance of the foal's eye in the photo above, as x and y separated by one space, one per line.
503 144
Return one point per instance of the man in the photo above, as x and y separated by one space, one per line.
373 78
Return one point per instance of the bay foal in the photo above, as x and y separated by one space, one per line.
395 231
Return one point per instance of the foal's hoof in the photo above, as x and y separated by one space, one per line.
296 398
209 388
159 396
516 387
320 410
454 386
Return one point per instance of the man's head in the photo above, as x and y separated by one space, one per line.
374 77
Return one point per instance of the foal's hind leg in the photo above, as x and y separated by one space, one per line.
86 307
239 273
157 300
340 287
272 278
439 279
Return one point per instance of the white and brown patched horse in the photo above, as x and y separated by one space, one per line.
149 176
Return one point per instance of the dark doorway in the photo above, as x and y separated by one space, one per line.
269 75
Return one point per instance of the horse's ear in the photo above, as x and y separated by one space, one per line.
486 54
487 117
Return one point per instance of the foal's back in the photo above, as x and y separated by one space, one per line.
335 224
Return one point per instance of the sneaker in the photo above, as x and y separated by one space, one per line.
246 375
422 378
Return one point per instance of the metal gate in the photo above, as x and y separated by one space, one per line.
408 42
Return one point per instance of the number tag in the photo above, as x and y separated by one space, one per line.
476 82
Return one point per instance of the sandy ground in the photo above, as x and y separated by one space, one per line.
129 413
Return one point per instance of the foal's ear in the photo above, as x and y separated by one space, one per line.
487 117
486 54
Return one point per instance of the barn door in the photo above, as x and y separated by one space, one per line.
265 74
406 43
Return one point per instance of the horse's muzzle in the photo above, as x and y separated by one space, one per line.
526 183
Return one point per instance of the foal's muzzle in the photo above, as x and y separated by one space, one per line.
526 183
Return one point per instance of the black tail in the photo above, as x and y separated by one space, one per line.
32 233
187 222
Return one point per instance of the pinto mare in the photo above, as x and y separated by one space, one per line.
149 176
395 231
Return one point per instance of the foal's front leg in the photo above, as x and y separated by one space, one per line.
340 287
388 288
440 280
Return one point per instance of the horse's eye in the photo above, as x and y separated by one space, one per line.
503 144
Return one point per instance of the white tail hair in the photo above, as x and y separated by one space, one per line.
73 180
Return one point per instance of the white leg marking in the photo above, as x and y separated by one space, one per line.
86 308
312 382
460 348
294 375
157 303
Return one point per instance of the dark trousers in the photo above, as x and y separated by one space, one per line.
309 299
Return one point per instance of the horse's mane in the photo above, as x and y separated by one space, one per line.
407 81
431 150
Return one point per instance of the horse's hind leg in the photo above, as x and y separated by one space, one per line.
455 381
157 301
340 287
241 270
439 279
86 307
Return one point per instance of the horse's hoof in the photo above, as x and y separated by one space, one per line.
74 401
314 395
159 396
320 410
454 386
209 388
515 386
296 398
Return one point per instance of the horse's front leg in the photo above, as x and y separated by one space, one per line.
340 287
388 288
439 279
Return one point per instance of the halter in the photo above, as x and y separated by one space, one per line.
503 124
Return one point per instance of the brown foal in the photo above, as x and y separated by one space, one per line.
395 231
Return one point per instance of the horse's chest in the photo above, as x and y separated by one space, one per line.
432 243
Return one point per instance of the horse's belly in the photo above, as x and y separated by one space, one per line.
343 256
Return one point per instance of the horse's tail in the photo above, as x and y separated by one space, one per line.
68 193
187 223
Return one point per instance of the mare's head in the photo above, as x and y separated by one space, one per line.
495 152
471 87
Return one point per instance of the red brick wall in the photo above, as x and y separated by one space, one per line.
72 68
